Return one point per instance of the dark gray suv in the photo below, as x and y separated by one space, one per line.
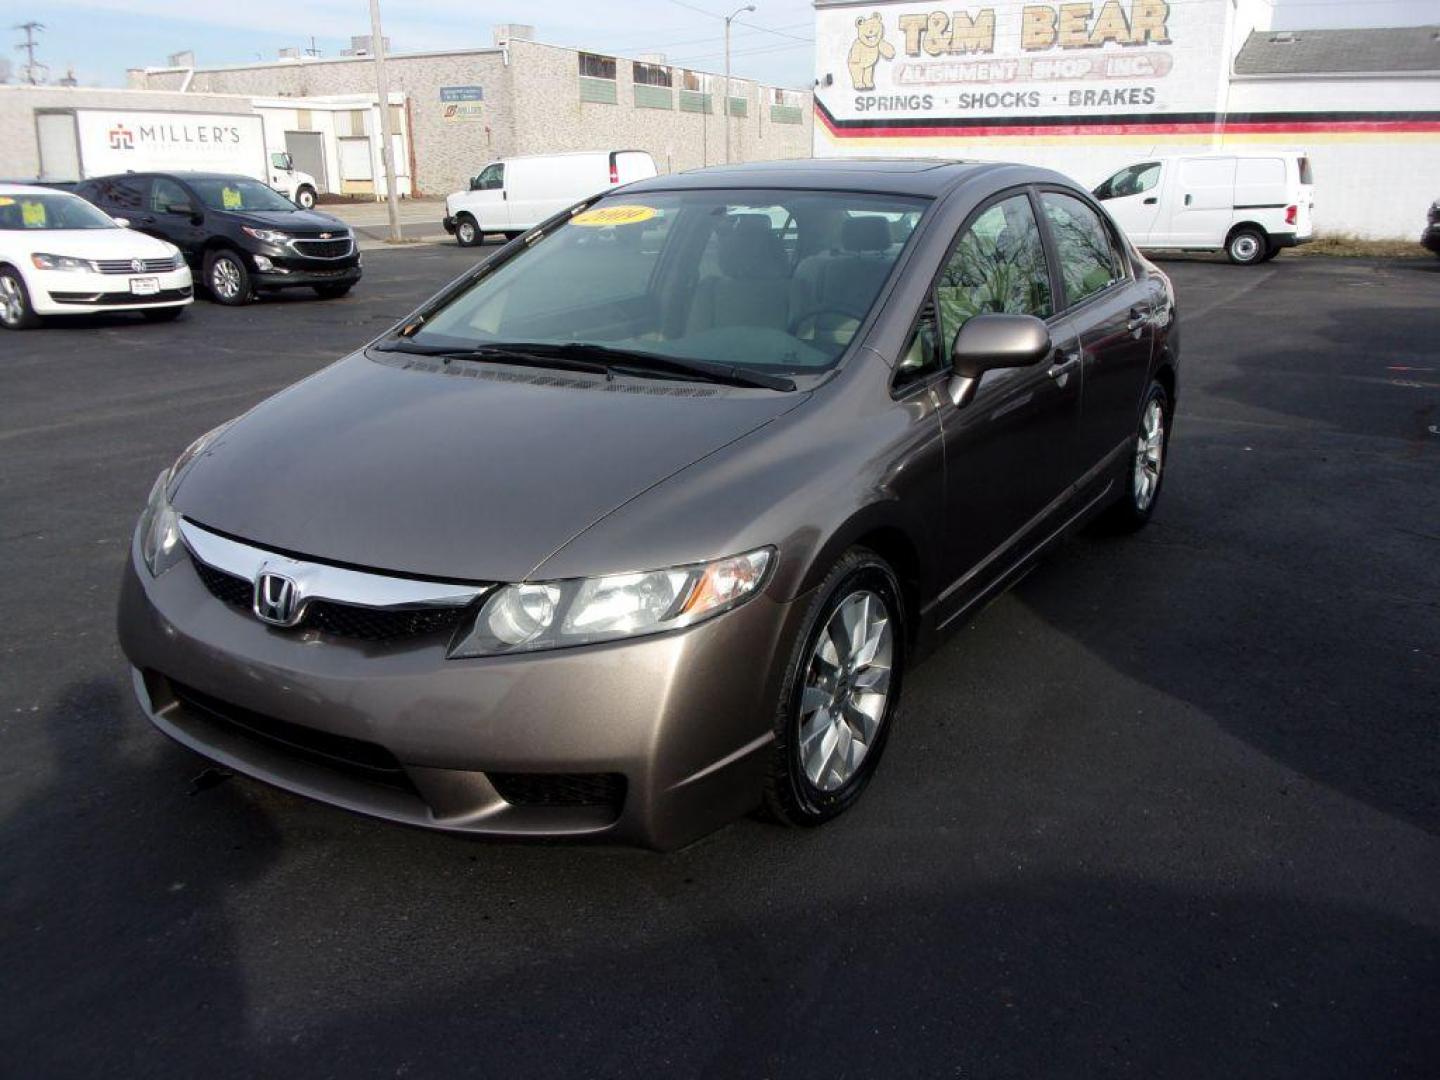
637 526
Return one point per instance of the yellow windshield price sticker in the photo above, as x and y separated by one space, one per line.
5 200
32 215
603 216
231 199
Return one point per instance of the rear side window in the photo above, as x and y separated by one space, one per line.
1088 260
997 265
119 192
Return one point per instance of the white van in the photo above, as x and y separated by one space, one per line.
513 194
1246 205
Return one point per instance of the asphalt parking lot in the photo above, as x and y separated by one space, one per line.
1168 808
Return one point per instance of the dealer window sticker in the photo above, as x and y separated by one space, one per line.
32 214
604 216
5 200
231 199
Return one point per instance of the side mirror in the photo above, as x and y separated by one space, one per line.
991 341
123 222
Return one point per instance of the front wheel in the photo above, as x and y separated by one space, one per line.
305 198
841 689
467 233
15 310
228 278
1247 247
1146 469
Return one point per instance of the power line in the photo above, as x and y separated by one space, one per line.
32 66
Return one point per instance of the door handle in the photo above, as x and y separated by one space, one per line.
1187 199
1138 318
1151 201
1064 364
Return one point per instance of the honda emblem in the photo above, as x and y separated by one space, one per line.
277 600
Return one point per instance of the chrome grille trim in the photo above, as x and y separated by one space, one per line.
319 581
127 266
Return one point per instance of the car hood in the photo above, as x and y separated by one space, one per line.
295 221
466 471
99 244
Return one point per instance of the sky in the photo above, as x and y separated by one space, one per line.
101 38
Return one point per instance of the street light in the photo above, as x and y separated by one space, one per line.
387 135
738 11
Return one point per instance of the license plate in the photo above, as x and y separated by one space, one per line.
144 286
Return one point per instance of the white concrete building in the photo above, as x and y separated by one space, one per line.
1088 87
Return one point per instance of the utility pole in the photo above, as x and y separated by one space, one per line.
728 18
387 151
28 48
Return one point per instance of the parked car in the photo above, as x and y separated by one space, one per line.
61 256
1250 206
514 194
1430 238
239 236
640 525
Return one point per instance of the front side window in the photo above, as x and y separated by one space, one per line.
1131 180
238 193
998 265
46 213
491 178
778 281
168 197
1089 262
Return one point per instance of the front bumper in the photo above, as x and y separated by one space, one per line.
58 292
680 723
284 266
449 223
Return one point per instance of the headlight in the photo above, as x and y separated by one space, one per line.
160 544
266 236
63 262
554 614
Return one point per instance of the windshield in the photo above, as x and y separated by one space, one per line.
778 281
46 213
239 193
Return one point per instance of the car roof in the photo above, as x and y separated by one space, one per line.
927 177
177 174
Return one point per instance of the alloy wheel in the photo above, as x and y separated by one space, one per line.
12 305
847 687
225 278
467 232
1149 455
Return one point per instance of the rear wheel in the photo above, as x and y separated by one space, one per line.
15 310
467 232
227 278
331 292
1247 246
841 689
163 314
1146 471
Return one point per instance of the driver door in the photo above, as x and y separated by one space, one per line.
486 199
1132 196
1010 452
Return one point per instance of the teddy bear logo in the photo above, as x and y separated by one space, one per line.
867 49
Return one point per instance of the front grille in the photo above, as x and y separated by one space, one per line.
127 266
322 249
366 760
560 789
340 620
164 296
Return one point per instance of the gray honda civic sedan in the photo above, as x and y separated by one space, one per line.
638 525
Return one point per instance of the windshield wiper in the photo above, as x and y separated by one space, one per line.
639 362
499 354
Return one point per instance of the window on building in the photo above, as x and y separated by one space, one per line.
695 81
785 107
597 67
652 75
1088 260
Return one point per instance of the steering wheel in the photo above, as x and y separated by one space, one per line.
830 323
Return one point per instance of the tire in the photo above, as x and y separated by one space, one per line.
227 278
1271 252
332 292
305 198
810 780
16 311
1247 246
467 232
164 314
1136 504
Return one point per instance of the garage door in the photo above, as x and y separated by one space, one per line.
307 150
357 175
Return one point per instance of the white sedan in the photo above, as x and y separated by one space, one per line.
61 256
